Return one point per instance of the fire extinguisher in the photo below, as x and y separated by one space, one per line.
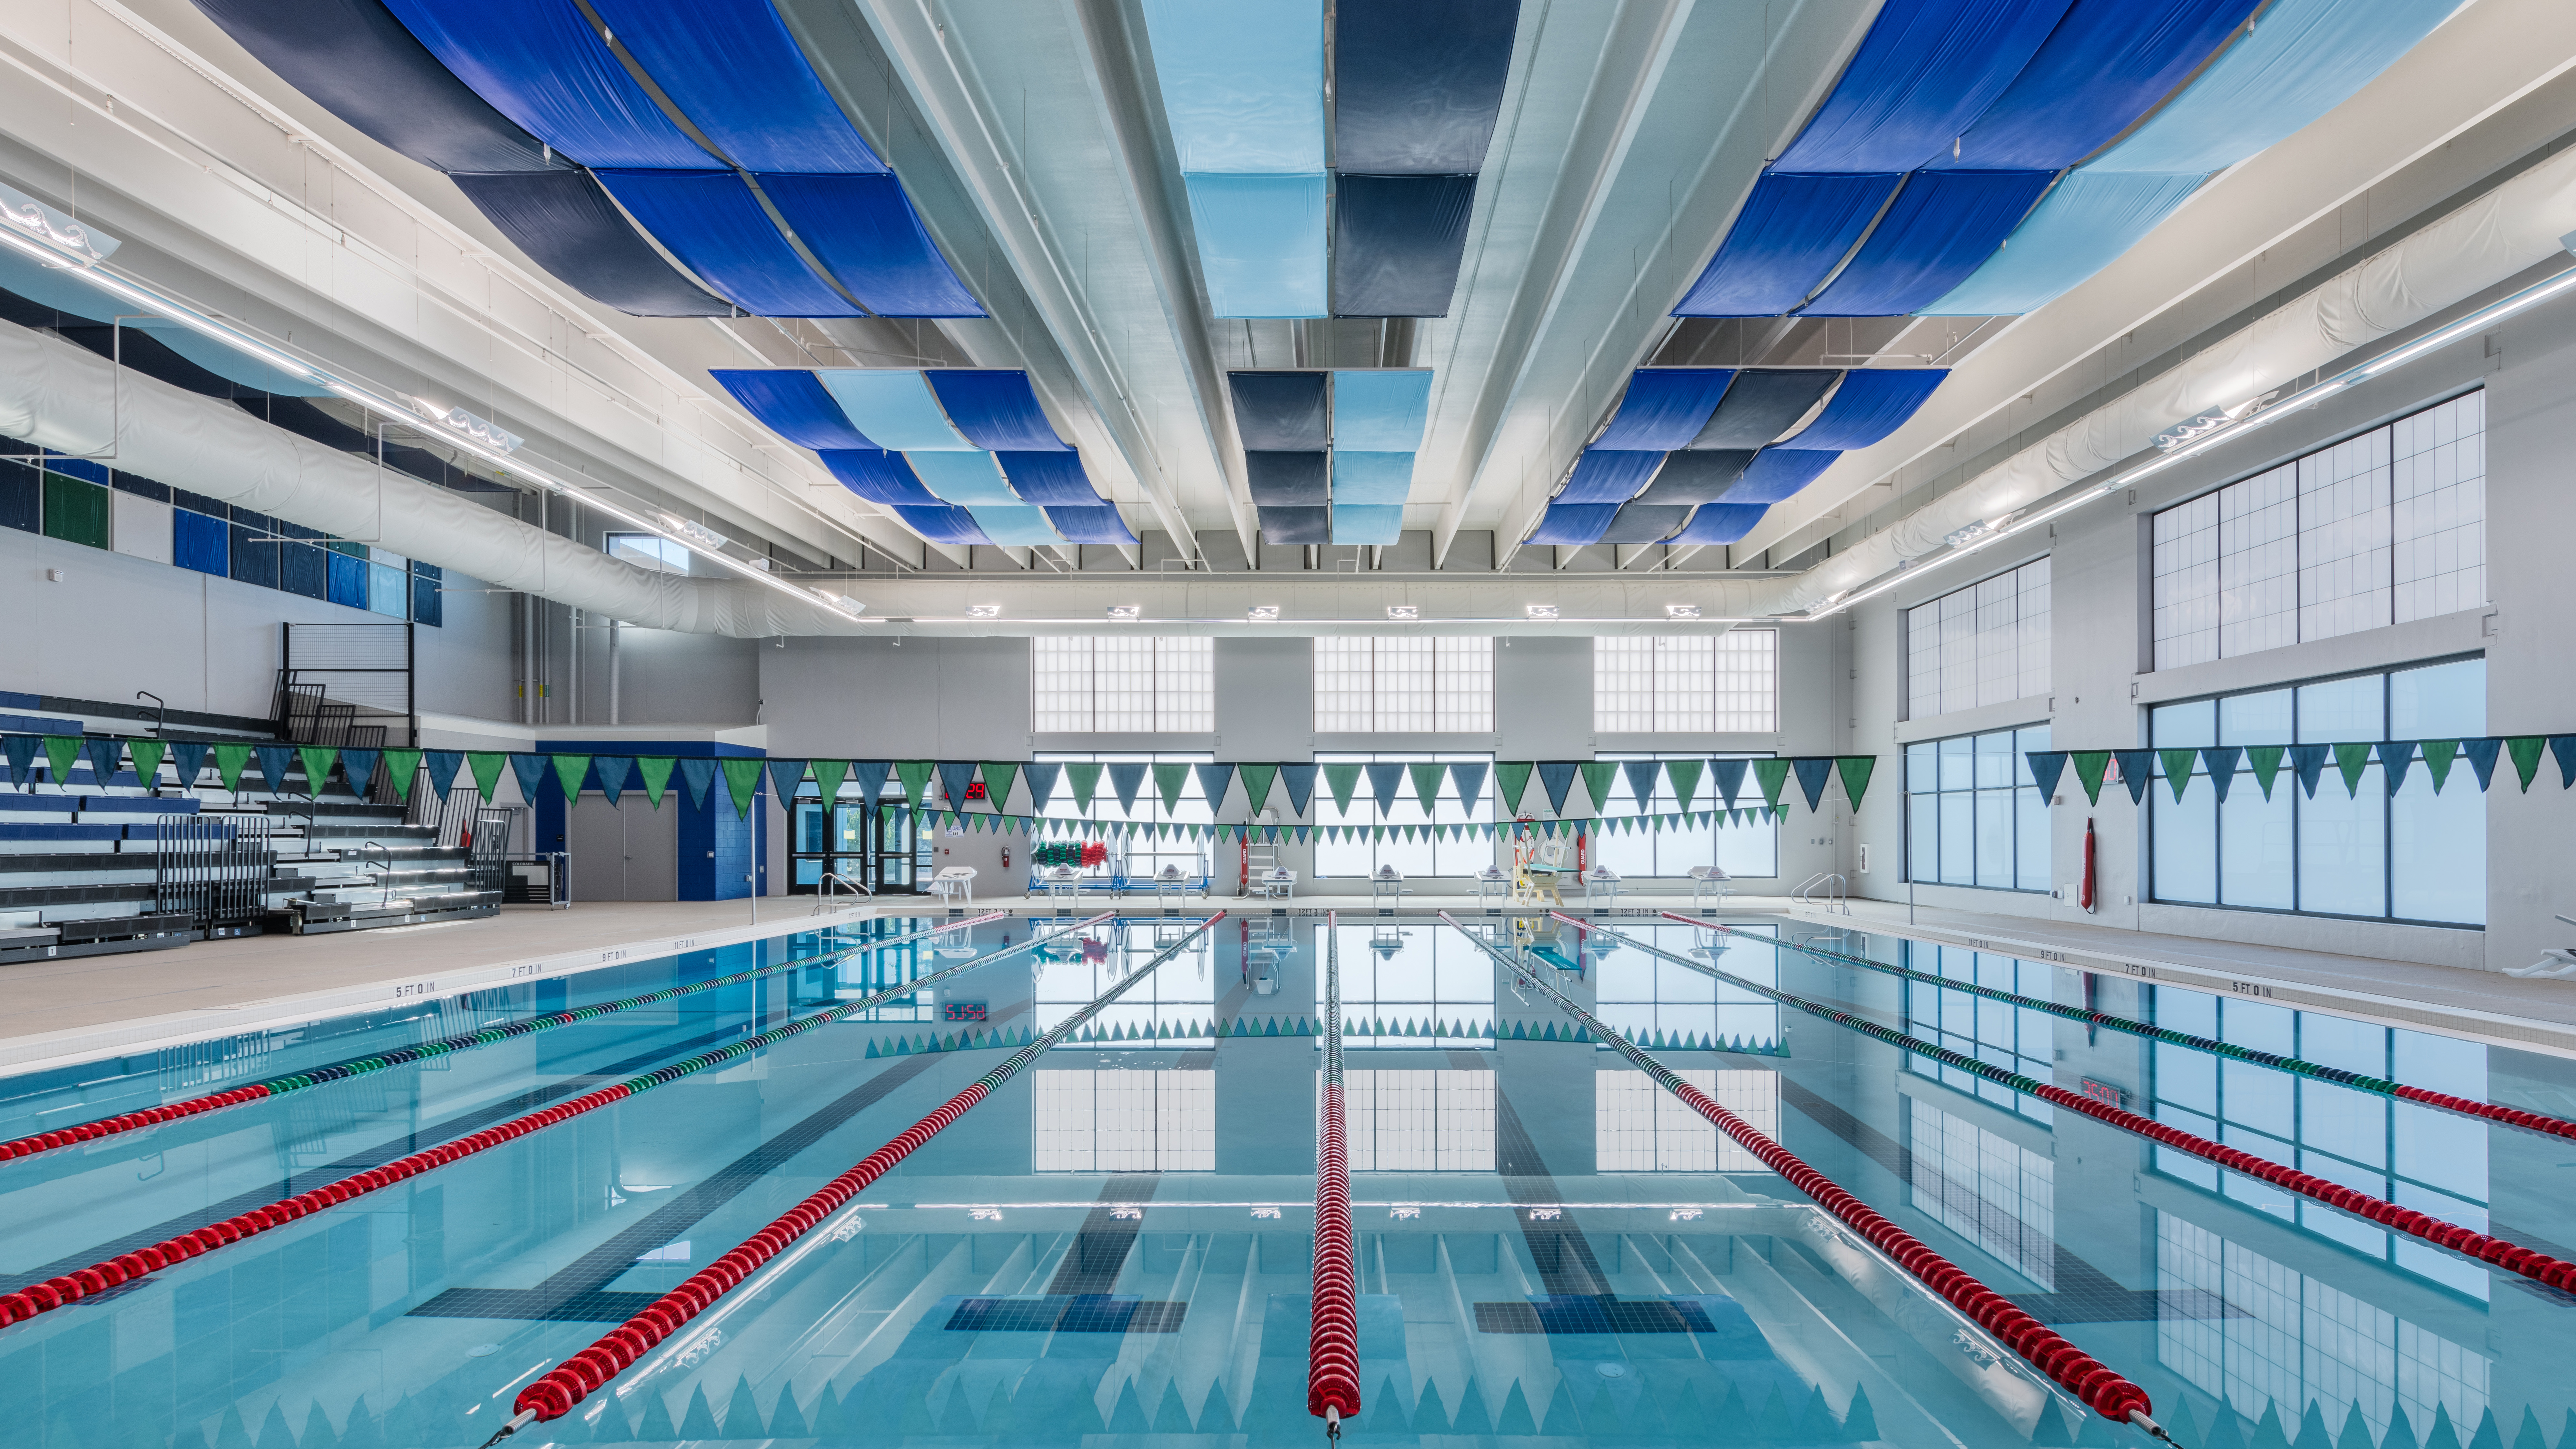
1006 857
2084 896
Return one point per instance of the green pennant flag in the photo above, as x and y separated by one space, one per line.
742 777
229 761
2266 763
1514 778
656 770
1426 783
2525 750
569 772
2178 767
1084 777
1597 775
2090 765
318 760
915 774
2350 761
999 777
1853 770
487 766
402 767
62 750
1257 780
1772 776
147 759
1169 781
1342 780
2438 755
828 775
1685 777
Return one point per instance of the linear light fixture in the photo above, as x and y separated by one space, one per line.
2010 526
1403 613
1681 611
1542 611
983 611
1262 614
1126 611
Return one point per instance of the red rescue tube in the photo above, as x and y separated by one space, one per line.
1333 1344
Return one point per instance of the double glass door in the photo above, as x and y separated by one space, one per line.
877 846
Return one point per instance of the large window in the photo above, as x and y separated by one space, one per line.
2015 1038
2413 856
1984 644
1142 854
2402 1152
1442 685
1741 850
1410 975
1687 683
1423 854
1119 684
1973 815
2379 529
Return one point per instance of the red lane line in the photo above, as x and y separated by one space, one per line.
1333 1344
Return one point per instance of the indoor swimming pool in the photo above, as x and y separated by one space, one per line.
1116 1247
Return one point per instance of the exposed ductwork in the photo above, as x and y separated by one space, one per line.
2506 231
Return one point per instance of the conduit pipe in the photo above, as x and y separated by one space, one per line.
555 1393
2539 1267
423 1051
1333 1343
2510 1116
2100 1387
97 1278
2487 241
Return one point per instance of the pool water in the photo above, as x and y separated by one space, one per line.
1114 1248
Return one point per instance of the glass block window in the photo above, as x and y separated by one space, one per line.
2382 528
1984 644
1123 1121
1422 1121
1687 683
1122 684
1435 685
1973 814
1640 1127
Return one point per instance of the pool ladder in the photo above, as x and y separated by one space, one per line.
1831 881
829 881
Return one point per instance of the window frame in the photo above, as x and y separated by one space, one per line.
2021 627
1717 722
1444 699
2021 782
1162 680
1664 792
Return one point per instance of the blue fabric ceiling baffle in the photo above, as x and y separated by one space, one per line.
896 407
1091 523
1372 524
1398 242
1261 243
1281 411
1722 523
1609 475
1014 525
2107 63
1696 475
355 60
1645 523
1761 405
942 524
794 405
971 479
1664 407
1777 473
1049 478
2086 221
1380 410
864 229
567 225
1871 403
1572 525
1791 232
1242 83
1294 480
1417 87
1372 478
1926 70
878 476
539 63
1296 525
733 69
1940 228
715 226
995 408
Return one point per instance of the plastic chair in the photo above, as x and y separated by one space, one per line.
1707 880
954 883
1601 887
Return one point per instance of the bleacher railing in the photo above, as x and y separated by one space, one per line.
215 868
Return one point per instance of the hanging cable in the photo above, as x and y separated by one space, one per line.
2467 1107
424 1051
555 1393
1333 1343
2100 1387
97 1278
2540 1267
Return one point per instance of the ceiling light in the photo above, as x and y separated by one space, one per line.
1262 613
1542 611
1404 613
842 602
697 533
1681 611
983 611
482 430
1126 611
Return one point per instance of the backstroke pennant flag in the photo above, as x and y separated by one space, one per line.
2438 755
2221 760
1384 781
402 767
2481 754
1426 783
1257 780
1854 771
2394 757
1469 777
62 750
915 775
2137 771
317 761
1685 777
1771 775
2308 762
785 776
2265 762
147 760
999 777
1124 781
1811 780
569 770
2178 766
2351 757
1597 775
1083 776
656 770
742 779
530 771
1728 777
1512 778
1214 781
1341 780
1169 782
2090 766
187 757
1042 776
828 775
1300 780
2525 750
1556 777
1641 779
443 765
2046 768
956 779
613 773
21 751
487 766
697 776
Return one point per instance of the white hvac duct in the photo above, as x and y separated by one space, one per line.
2501 233
73 401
